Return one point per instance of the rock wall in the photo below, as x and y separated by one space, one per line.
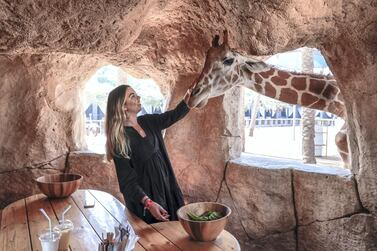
40 117
97 172
285 205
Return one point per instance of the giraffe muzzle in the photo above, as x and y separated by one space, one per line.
194 92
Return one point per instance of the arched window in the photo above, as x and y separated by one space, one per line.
95 99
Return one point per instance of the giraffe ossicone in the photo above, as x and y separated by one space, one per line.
225 68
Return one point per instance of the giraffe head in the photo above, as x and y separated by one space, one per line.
223 69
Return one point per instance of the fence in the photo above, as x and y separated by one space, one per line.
321 130
267 122
94 127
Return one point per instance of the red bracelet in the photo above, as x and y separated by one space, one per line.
148 203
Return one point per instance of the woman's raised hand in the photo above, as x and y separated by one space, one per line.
188 92
158 212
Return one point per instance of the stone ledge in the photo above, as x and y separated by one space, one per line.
252 160
264 198
97 172
357 232
271 196
321 197
320 193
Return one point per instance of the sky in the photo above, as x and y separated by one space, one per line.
292 61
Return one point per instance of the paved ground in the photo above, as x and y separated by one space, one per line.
286 142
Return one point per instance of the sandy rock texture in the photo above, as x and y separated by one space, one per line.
97 172
48 50
276 206
39 103
324 196
357 232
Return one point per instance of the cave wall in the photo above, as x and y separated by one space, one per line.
41 117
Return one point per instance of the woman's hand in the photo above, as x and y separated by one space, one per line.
158 212
188 92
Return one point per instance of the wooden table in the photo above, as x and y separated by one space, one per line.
21 222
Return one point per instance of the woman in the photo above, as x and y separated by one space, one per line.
145 175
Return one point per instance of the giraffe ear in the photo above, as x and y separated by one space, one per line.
215 41
251 66
248 66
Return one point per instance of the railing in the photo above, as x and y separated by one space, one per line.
267 122
94 127
321 129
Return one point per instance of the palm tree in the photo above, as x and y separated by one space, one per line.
308 115
254 112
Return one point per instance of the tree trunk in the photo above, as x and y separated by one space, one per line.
308 134
308 115
254 113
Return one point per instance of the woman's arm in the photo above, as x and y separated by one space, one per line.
166 119
127 179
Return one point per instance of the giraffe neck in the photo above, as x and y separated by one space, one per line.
309 90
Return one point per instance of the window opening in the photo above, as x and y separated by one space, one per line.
96 92
278 126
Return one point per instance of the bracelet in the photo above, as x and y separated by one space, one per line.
148 203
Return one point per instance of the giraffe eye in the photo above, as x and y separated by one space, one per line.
228 61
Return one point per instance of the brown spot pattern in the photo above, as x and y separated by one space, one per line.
234 78
318 76
337 108
320 104
278 81
228 79
288 95
267 74
330 92
283 74
258 88
258 78
316 86
299 83
308 99
269 90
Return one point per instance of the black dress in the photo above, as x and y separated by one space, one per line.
149 171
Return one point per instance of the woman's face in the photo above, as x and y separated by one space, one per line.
132 101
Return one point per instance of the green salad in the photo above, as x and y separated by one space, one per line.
206 216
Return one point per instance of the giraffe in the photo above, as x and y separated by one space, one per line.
225 68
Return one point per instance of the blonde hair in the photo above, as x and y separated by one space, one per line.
117 143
